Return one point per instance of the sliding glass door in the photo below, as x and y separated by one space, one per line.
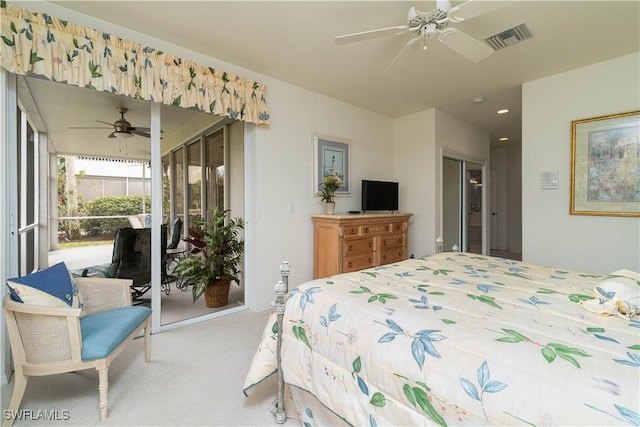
462 206
213 165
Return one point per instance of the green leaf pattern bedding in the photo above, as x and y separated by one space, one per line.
457 339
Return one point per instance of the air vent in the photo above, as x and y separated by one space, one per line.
509 37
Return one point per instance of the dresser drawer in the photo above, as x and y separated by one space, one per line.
351 230
393 241
358 246
375 229
391 255
357 262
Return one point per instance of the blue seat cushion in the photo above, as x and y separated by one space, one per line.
102 332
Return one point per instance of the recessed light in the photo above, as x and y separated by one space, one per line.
504 138
477 99
503 111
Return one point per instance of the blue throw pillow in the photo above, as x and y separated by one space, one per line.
52 286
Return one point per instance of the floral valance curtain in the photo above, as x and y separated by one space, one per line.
40 45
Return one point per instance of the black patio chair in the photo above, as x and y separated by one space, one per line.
131 259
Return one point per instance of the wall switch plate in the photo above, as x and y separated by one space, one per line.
291 207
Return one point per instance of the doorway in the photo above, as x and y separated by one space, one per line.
463 224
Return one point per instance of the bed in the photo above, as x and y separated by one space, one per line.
457 339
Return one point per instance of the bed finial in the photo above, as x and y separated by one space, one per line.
284 269
281 289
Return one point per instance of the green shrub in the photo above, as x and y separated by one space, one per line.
108 206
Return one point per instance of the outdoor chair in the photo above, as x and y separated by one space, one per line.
49 336
131 259
174 253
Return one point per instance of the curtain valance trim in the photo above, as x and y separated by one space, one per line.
38 44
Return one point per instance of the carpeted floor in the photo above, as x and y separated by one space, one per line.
195 378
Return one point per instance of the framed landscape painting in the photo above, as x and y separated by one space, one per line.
331 157
605 165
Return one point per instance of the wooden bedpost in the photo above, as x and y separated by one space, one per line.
281 289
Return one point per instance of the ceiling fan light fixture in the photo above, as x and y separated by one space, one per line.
123 135
503 111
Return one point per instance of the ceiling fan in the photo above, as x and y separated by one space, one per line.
121 127
425 25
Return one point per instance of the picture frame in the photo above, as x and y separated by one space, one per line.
605 165
331 153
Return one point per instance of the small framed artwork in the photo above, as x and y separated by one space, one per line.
331 157
605 165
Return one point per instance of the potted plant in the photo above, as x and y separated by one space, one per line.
330 183
215 259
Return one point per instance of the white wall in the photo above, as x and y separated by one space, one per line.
284 175
550 235
506 167
420 140
415 165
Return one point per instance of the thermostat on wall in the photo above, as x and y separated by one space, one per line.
548 180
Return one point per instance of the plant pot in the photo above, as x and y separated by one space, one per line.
217 294
330 208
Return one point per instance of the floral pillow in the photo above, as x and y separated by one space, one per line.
52 287
617 294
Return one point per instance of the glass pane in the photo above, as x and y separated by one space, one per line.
166 186
215 170
194 183
178 157
473 176
451 221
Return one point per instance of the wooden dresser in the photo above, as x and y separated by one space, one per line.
344 243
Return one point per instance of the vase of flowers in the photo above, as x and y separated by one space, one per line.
330 183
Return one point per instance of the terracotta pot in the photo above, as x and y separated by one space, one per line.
217 294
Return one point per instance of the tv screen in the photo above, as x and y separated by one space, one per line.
379 195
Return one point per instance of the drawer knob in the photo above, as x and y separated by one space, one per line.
384 257
369 245
366 229
369 260
350 248
350 264
353 231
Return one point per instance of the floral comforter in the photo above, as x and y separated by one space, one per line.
457 339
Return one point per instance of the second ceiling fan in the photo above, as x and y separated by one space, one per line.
121 127
425 25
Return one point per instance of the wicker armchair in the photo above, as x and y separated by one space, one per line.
49 340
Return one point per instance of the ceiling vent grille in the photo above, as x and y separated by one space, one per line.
509 37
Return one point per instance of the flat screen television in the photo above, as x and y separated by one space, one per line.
379 195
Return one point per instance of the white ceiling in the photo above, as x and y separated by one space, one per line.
293 41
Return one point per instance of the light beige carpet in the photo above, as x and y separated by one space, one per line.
195 378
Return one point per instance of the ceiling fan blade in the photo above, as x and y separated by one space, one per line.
462 43
140 132
145 130
106 123
89 127
473 8
407 44
371 34
112 135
